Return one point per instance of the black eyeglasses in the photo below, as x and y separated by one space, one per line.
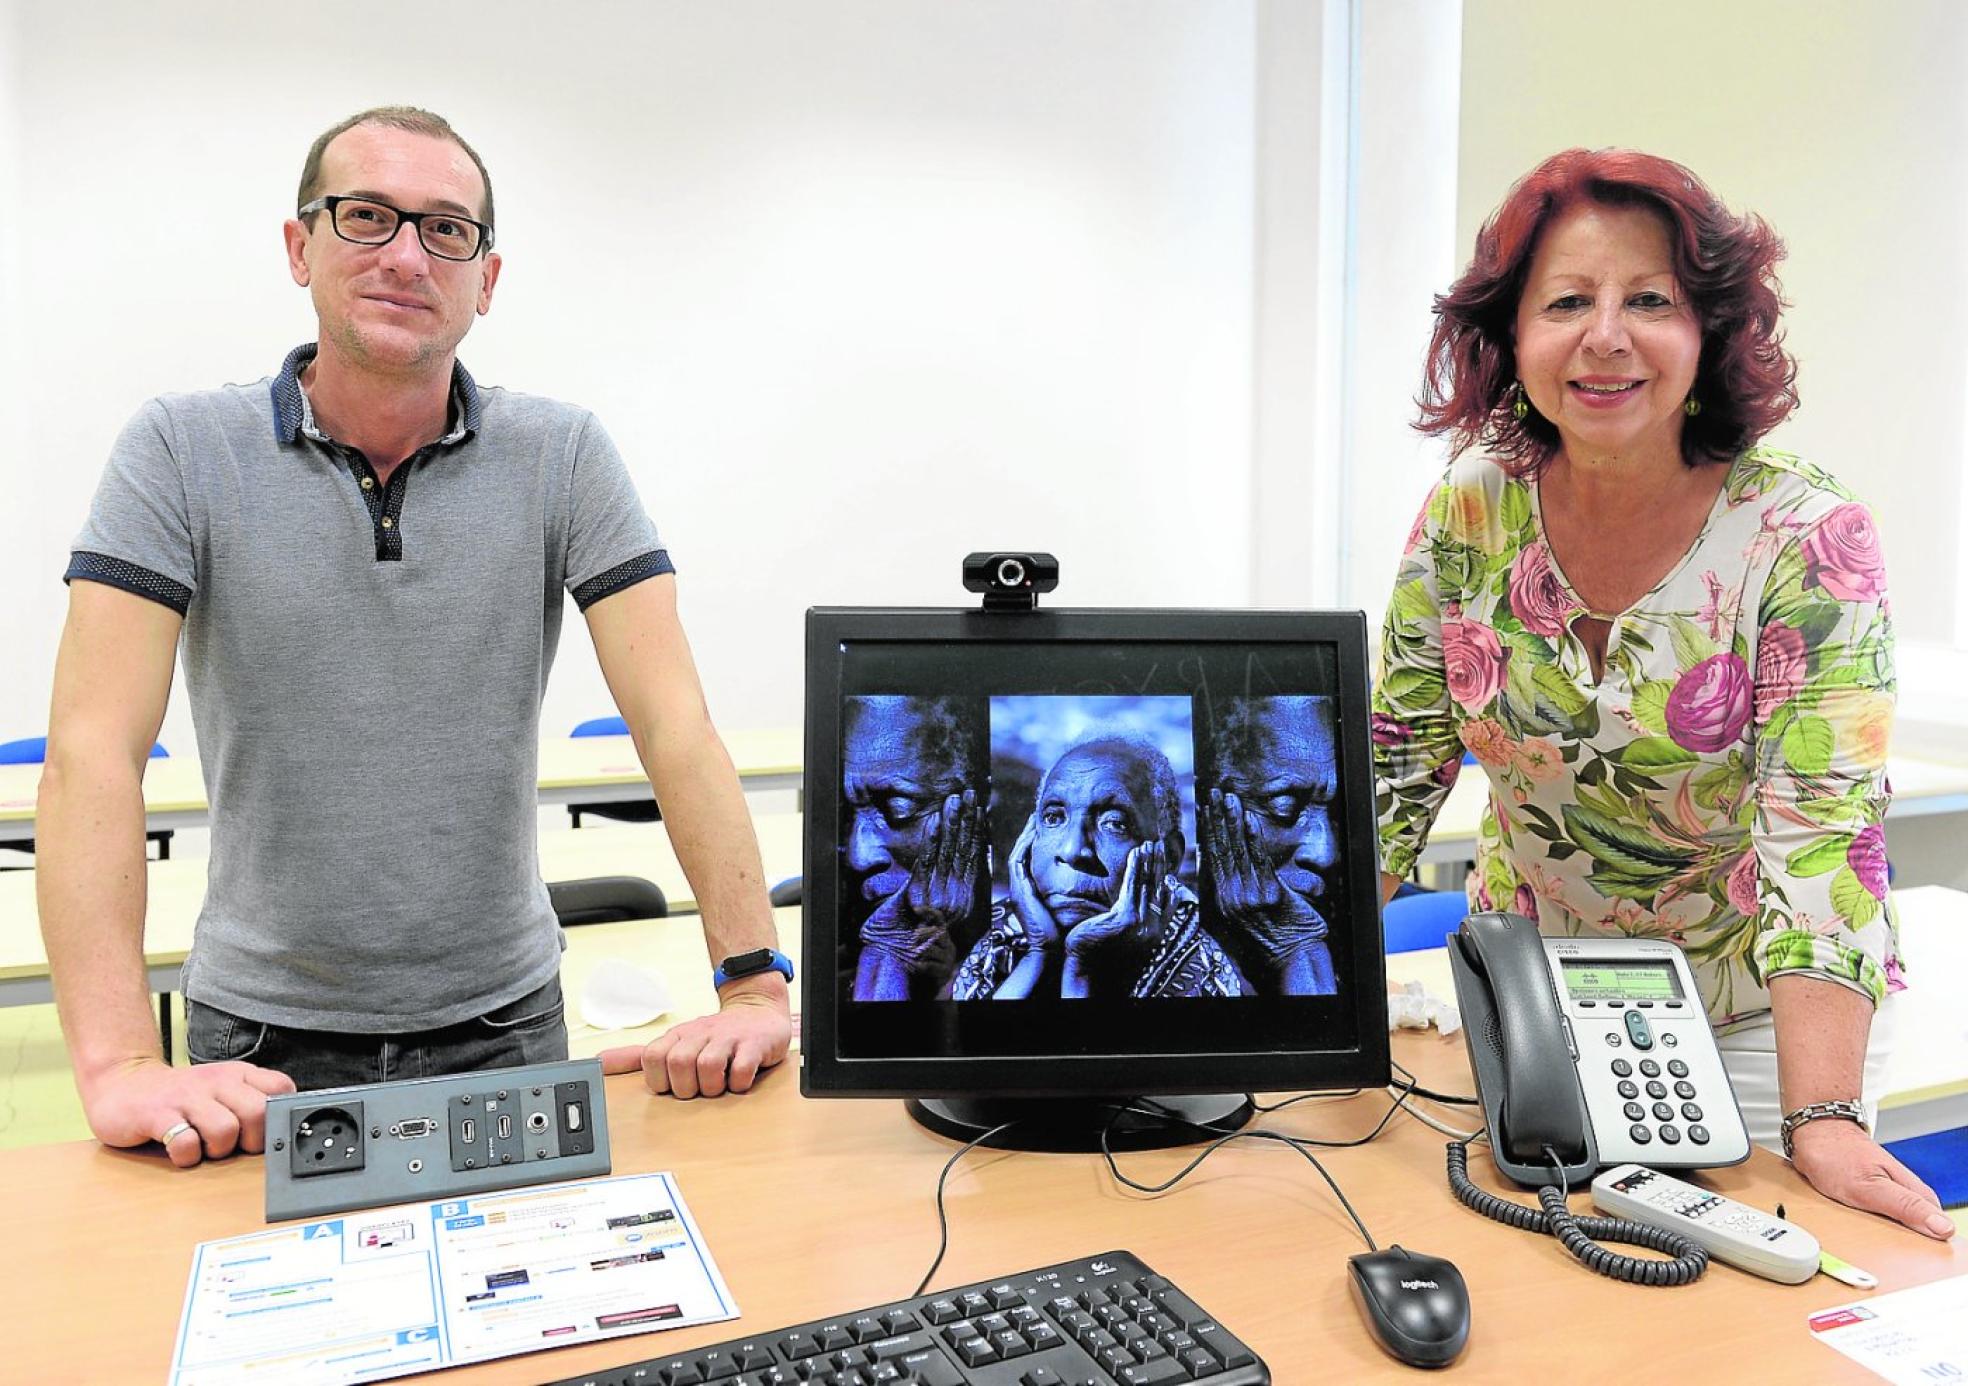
366 221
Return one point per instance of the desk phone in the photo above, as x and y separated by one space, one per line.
1598 1048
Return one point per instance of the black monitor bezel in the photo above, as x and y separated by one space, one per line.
826 1073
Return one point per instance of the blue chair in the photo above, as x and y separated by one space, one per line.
1421 919
621 810
33 750
1941 1159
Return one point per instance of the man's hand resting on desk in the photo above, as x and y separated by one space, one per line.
713 1054
208 1110
1844 1163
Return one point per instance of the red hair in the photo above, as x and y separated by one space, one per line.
1745 380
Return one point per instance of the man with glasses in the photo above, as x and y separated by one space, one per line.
364 556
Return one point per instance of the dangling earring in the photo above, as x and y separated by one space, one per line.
1692 407
1520 408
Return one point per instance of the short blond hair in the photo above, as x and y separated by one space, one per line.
412 118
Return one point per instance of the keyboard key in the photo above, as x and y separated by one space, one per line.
1041 1336
798 1345
1004 1296
1147 1373
1041 1376
932 1368
976 1352
1181 1308
941 1311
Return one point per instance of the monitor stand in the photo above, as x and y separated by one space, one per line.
1076 1123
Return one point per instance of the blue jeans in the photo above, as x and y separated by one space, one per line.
530 1030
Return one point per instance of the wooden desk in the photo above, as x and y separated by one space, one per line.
1919 787
813 1208
177 892
570 770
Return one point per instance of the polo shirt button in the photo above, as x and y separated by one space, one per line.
368 483
388 523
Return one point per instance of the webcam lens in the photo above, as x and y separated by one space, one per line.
1011 573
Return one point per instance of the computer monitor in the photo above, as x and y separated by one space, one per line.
1089 871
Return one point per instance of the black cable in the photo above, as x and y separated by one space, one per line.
942 1217
1450 1098
1296 1143
1581 1236
1166 1114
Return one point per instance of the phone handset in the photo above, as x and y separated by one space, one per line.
1526 1067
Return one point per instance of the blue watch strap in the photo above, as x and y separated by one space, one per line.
773 961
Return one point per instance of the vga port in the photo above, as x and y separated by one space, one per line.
415 1126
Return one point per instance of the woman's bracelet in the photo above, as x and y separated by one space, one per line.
1817 1111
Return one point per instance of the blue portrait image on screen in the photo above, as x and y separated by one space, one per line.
1096 797
913 853
1270 848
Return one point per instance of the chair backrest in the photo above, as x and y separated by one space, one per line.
606 900
1424 919
601 726
33 750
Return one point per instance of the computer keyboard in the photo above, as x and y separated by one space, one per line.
1097 1321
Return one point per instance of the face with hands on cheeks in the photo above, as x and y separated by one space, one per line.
1278 760
1100 801
393 308
900 762
1606 338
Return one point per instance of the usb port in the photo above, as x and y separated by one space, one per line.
414 1127
468 1131
505 1127
573 1116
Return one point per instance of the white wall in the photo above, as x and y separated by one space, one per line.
1846 127
857 286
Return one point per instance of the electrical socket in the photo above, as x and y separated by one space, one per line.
327 1140
434 1138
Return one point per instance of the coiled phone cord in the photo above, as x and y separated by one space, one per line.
1578 1234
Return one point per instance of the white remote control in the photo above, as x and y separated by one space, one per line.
1729 1231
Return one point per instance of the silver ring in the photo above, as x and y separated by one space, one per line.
172 1133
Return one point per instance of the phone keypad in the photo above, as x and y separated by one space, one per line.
1665 1124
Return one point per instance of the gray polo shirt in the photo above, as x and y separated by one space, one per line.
365 664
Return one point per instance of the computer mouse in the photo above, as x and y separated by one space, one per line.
1416 1306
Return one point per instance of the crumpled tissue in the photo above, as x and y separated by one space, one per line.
1412 1008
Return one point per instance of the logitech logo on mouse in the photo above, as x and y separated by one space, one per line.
1419 1285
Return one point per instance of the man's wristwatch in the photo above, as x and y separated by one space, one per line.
1817 1111
751 964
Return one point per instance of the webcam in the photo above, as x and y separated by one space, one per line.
1010 581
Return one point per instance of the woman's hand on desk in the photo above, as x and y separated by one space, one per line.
1844 1163
207 1110
715 1054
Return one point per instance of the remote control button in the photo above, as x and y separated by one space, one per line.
1615 1005
1670 1134
1635 1112
1612 1040
1663 1112
1622 1069
1650 1068
1677 1068
1588 1005
1691 1111
1639 1031
1698 1134
1644 1005
1627 1088
1684 1089
1656 1089
1641 1135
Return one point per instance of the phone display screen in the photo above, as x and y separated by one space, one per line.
1621 981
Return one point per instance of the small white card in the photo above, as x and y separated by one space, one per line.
371 1295
1917 1337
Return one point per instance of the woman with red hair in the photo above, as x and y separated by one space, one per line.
1668 646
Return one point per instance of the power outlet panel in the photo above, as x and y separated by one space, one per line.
423 1139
